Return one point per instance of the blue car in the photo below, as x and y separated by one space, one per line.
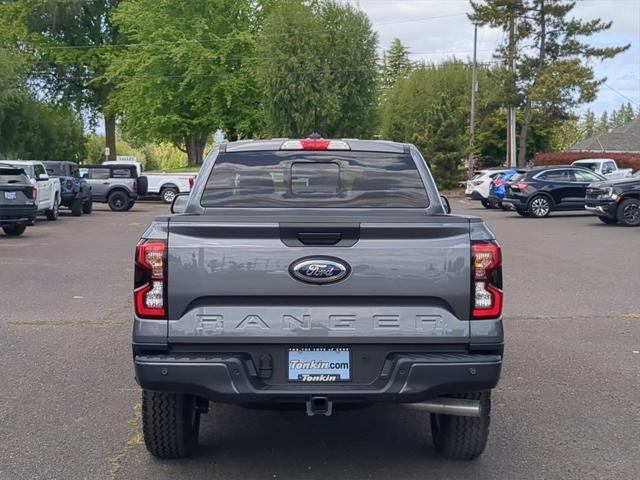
497 190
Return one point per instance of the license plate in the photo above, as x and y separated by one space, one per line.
10 195
319 365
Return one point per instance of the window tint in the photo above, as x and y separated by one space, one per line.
556 176
121 173
586 176
315 180
590 165
38 170
56 169
100 173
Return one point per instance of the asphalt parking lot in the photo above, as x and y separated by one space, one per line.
568 405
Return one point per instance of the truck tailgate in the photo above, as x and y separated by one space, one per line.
230 280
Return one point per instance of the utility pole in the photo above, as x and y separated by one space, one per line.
474 88
511 119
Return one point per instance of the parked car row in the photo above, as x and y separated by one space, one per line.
35 187
538 191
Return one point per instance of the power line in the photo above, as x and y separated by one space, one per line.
621 94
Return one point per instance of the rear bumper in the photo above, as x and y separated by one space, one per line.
232 378
518 203
475 195
17 215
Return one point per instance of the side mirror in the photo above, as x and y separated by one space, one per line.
42 177
179 204
445 204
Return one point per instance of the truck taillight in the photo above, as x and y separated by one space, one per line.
69 184
34 193
150 279
191 181
486 273
135 185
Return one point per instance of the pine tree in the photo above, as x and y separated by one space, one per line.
396 64
589 123
603 124
551 76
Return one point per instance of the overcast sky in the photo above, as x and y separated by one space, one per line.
436 29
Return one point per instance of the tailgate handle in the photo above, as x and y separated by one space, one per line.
319 238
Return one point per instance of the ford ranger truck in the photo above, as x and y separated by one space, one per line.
317 274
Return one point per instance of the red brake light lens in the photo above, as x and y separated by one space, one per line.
486 272
149 285
191 181
520 186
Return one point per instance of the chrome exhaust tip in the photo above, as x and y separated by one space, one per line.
449 406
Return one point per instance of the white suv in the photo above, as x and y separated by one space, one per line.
479 186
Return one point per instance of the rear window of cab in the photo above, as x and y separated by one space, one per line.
314 179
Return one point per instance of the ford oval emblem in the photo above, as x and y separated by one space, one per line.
319 270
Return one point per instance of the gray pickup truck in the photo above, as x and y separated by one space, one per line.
317 274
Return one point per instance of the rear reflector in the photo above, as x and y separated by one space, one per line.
314 144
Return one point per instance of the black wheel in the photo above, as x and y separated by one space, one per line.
76 207
14 230
539 206
629 212
462 438
170 424
118 201
168 194
87 206
522 213
52 213
486 203
131 204
504 207
608 221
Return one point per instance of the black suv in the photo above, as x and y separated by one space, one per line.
538 191
75 192
616 201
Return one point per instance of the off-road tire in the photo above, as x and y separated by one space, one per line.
629 212
87 206
52 213
14 230
462 438
131 204
118 201
607 220
168 194
486 204
76 207
170 424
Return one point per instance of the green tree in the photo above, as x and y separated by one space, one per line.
604 124
317 67
589 124
395 64
431 107
34 130
70 42
552 77
187 72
